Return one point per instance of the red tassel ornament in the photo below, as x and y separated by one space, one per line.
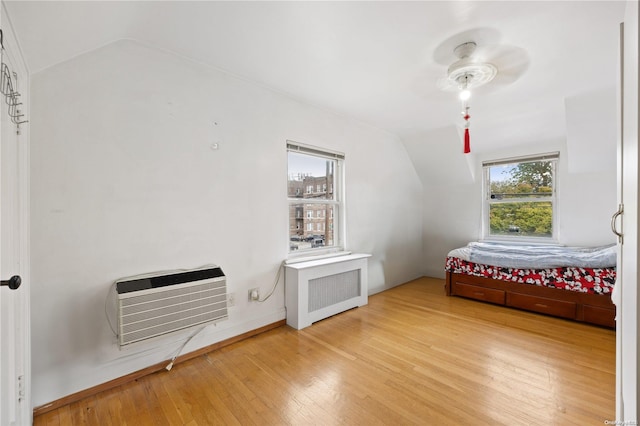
467 145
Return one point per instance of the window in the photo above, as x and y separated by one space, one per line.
520 198
315 170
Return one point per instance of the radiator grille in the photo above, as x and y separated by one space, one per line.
155 306
329 290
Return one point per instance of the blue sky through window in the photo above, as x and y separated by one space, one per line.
306 165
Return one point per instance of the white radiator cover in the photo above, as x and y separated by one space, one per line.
317 289
159 304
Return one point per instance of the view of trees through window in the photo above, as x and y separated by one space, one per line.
521 199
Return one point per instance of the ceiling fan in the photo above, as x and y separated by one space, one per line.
468 73
476 65
472 70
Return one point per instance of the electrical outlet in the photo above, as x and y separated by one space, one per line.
231 299
254 294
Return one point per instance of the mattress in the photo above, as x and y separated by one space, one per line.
586 270
537 256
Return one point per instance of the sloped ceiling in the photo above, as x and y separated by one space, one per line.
377 62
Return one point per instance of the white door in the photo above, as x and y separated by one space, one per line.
627 295
619 218
15 404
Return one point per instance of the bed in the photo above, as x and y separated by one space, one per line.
568 282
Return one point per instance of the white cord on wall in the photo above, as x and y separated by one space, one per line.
106 310
170 365
275 284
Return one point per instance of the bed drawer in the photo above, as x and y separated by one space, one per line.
600 316
559 308
479 293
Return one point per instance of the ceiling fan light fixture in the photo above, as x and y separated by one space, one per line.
464 94
474 74
468 72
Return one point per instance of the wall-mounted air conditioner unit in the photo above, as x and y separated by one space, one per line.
157 305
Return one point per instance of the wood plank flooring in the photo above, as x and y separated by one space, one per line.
411 356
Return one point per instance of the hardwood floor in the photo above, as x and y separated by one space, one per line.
411 356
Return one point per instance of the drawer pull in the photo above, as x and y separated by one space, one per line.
541 305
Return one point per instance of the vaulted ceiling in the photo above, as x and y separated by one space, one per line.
377 62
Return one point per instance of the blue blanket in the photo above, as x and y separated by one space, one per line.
542 256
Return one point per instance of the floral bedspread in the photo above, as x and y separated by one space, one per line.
585 280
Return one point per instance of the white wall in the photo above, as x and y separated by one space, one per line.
451 200
591 119
124 182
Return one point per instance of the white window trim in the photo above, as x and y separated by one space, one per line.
338 191
486 191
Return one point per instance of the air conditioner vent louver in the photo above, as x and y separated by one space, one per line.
156 305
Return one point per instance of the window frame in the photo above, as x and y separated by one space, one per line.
487 202
336 189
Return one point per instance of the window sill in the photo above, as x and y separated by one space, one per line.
305 257
521 240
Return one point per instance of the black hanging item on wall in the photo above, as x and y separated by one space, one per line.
11 96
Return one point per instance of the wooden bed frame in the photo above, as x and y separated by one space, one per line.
586 307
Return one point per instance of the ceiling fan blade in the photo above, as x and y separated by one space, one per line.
444 55
443 83
512 62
